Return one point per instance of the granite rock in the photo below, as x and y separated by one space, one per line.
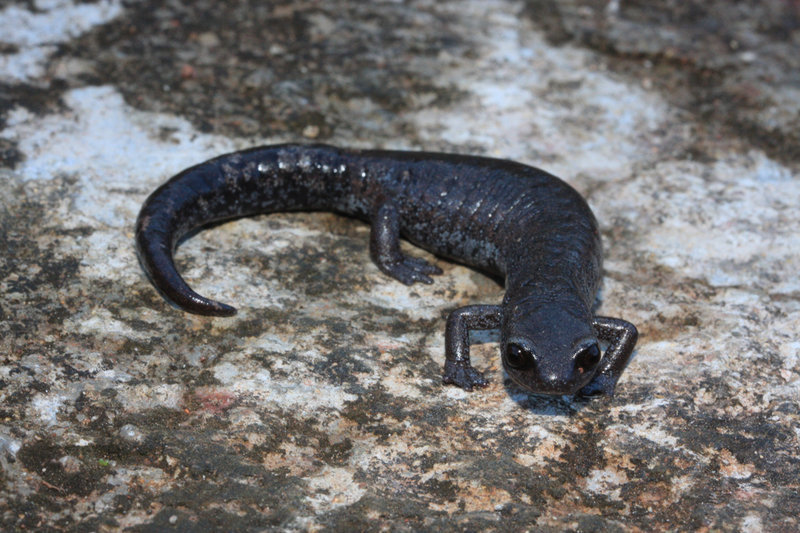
320 405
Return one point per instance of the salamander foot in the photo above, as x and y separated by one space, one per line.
409 269
461 374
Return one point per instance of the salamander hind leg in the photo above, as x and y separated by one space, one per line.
384 247
621 336
457 368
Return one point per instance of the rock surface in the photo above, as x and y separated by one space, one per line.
320 406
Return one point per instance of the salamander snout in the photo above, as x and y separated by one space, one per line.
551 372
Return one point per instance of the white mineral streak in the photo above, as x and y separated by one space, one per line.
37 34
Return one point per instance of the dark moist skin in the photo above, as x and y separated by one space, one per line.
501 217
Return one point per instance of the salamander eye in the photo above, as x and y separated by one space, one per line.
518 357
587 358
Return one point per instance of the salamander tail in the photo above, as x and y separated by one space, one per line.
154 248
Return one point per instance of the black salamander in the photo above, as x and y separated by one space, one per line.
501 217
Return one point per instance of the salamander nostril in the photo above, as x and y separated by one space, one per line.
518 357
587 358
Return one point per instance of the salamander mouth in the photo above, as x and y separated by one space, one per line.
539 386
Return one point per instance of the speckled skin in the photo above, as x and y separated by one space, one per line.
502 217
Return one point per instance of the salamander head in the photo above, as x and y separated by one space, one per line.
551 349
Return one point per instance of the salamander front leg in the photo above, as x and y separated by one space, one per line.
384 248
457 368
622 337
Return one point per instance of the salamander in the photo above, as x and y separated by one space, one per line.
505 218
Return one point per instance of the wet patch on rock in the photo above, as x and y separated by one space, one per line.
314 71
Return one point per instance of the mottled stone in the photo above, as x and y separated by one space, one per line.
320 405
735 64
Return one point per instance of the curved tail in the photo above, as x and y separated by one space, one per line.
258 180
155 240
155 255
192 198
